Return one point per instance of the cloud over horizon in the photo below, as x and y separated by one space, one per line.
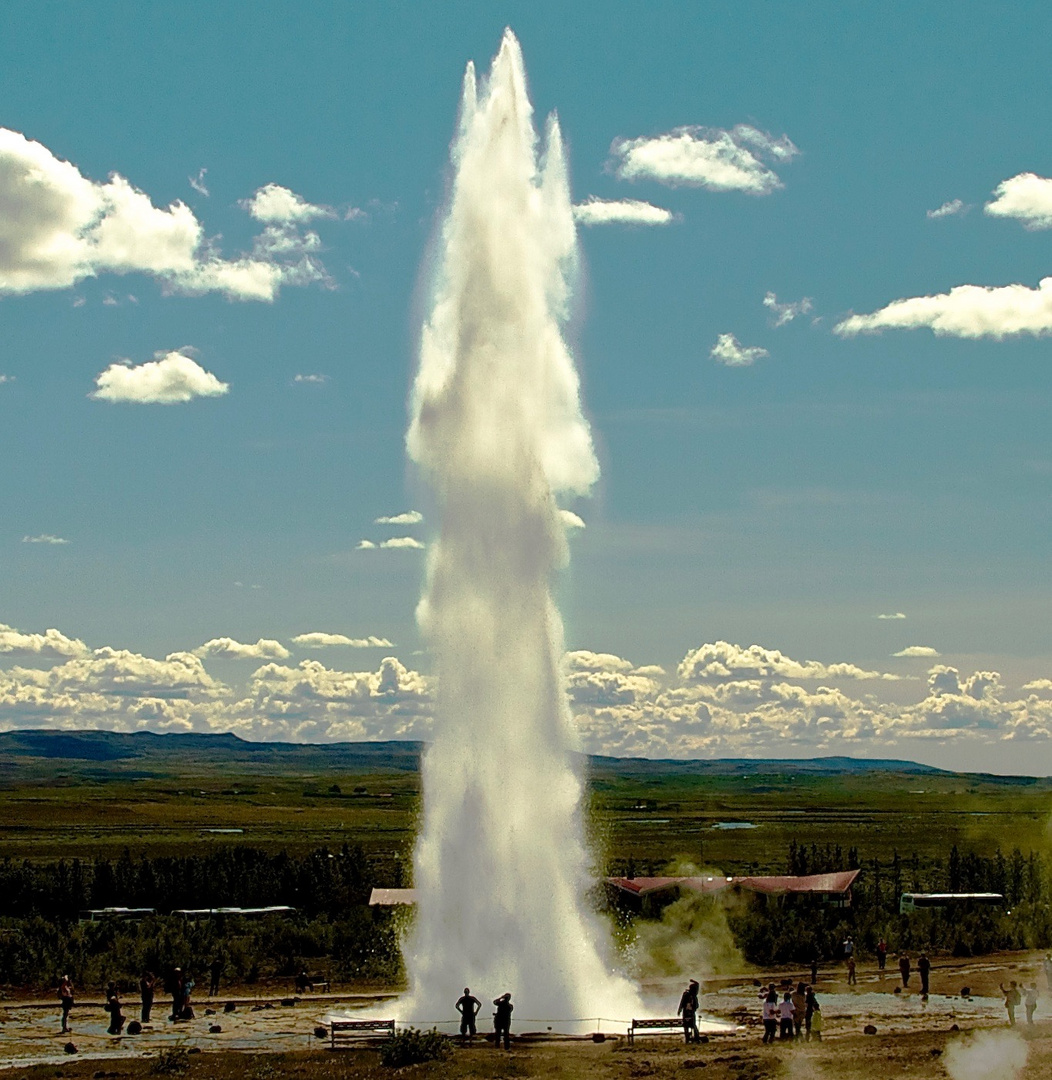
712 158
320 640
172 378
723 700
966 311
59 227
1026 198
595 211
730 352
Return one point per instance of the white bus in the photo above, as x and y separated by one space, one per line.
956 901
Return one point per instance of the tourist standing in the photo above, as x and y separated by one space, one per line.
688 1009
178 992
215 970
65 998
770 1015
1048 969
785 1016
851 971
810 1004
147 984
799 1007
904 970
468 1007
882 954
1012 998
115 1009
924 967
1031 1002
816 1021
502 1020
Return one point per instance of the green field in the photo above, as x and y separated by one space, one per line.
169 794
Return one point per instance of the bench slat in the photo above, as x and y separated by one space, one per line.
350 1030
669 1024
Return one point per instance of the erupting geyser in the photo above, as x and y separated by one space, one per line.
496 427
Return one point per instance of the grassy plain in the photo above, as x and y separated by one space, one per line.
647 814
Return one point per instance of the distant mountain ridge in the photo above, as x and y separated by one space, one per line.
142 748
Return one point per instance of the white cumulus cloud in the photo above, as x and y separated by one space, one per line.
721 660
51 643
317 639
729 350
410 517
1026 198
918 650
405 543
59 227
571 520
735 160
966 311
224 648
786 312
311 380
893 615
44 538
276 205
170 379
594 211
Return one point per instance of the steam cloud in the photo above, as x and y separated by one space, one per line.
990 1055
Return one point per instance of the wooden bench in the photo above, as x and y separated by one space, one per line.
349 1031
655 1027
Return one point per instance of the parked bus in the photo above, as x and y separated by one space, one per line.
194 914
956 901
124 914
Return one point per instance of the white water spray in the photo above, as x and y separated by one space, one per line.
497 429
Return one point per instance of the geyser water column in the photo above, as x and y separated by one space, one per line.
496 427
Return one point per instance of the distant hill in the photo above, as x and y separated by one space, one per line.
149 753
753 766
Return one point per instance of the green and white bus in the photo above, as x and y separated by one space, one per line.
910 902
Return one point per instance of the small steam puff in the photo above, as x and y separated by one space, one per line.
692 937
989 1055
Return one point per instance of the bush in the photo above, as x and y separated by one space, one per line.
410 1047
173 1060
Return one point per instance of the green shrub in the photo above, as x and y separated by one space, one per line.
410 1047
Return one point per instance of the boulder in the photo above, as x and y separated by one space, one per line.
214 1029
870 1029
70 1048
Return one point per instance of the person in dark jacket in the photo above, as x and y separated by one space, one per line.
924 967
688 1009
114 1008
502 1020
147 984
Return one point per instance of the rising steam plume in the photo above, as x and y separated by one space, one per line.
497 430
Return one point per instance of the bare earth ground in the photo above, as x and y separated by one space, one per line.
268 1041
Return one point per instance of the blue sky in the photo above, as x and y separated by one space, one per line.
783 500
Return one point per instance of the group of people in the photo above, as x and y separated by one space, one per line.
469 1007
180 984
797 1015
1015 995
